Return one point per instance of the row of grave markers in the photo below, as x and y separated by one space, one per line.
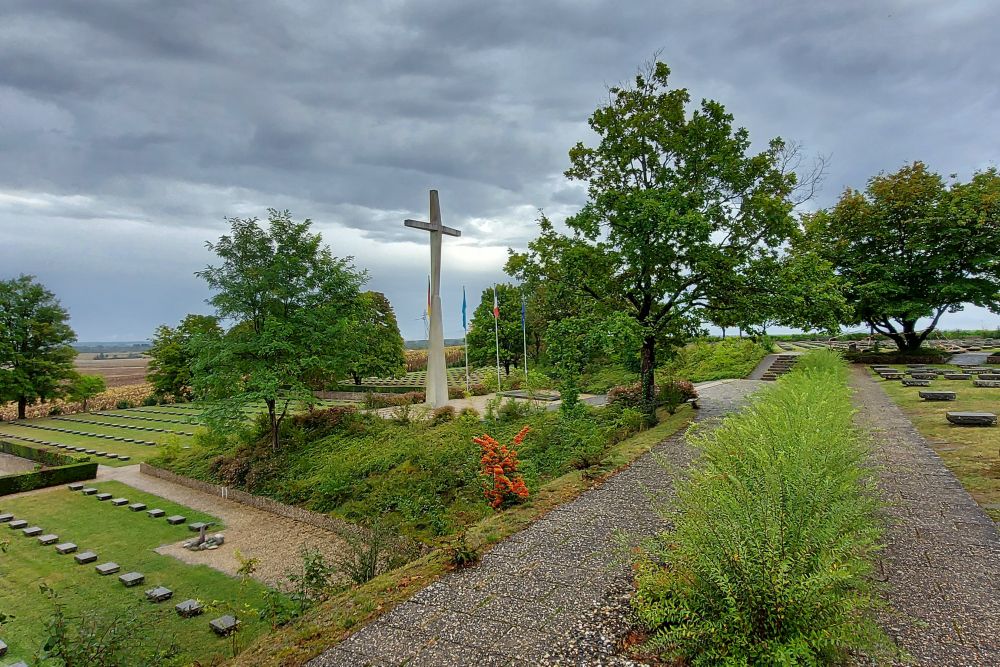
921 375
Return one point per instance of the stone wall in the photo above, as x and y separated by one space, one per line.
266 504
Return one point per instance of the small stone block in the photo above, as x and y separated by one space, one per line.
137 507
112 456
66 548
989 376
957 376
132 579
85 557
196 526
103 496
923 376
908 382
176 519
91 451
123 458
17 524
188 608
118 502
33 531
155 513
972 418
105 569
89 491
986 384
159 594
224 625
938 395
75 486
3 648
4 518
48 539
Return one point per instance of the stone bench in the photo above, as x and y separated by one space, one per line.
972 418
938 395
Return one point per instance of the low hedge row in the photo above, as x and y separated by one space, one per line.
42 456
775 530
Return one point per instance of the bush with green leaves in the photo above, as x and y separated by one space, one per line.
703 361
770 558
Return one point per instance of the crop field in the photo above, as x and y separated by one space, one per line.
116 372
127 538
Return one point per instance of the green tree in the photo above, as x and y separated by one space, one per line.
378 346
36 355
482 337
292 304
173 354
910 246
678 212
84 387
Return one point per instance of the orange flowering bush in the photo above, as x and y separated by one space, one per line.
498 465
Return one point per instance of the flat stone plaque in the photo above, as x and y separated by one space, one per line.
132 579
224 625
155 513
989 376
66 548
159 594
17 524
972 418
103 496
891 376
105 569
196 526
4 518
118 502
923 376
176 519
75 486
910 382
986 384
85 557
123 458
938 395
188 608
89 491
33 531
957 376
137 507
3 648
48 539
91 451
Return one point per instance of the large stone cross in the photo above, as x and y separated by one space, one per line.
437 378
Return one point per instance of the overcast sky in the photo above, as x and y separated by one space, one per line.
129 130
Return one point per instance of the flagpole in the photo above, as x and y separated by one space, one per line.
496 334
465 327
524 333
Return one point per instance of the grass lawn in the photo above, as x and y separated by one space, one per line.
969 452
127 538
136 452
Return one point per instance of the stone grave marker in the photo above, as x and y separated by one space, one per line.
91 451
132 579
989 376
66 548
155 513
197 525
4 518
957 376
17 524
912 382
85 557
3 648
188 608
938 395
123 458
923 376
137 507
48 539
75 486
891 376
103 496
33 531
972 418
176 519
986 384
224 625
159 594
118 502
89 491
105 569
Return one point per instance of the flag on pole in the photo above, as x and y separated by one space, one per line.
464 325
496 304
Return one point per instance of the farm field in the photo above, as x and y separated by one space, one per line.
116 372
969 452
128 539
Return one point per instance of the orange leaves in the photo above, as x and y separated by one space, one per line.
499 465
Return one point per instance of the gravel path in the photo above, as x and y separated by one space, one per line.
554 594
942 559
274 540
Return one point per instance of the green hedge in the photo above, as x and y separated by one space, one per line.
66 469
774 535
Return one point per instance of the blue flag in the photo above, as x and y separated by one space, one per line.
464 327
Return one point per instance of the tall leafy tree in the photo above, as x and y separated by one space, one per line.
36 355
379 349
482 337
679 211
291 303
912 246
84 387
173 353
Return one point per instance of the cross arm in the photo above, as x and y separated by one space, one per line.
428 227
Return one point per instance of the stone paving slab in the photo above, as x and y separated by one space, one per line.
941 564
555 593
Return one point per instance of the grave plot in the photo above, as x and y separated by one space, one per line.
104 534
76 444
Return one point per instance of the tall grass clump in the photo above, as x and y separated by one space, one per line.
775 529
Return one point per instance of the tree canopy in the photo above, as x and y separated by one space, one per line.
292 304
173 353
84 387
36 355
679 212
379 349
912 246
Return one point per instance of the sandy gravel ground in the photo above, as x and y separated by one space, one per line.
11 465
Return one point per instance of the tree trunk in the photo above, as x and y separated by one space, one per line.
647 364
84 405
908 340
723 333
357 378
506 369
273 415
22 406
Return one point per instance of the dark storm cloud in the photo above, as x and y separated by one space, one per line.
129 130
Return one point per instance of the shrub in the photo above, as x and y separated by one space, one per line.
375 401
150 400
774 531
469 414
499 467
456 392
123 404
673 393
478 389
702 361
628 395
55 410
321 422
442 415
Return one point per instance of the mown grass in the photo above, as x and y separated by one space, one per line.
971 453
333 620
127 538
